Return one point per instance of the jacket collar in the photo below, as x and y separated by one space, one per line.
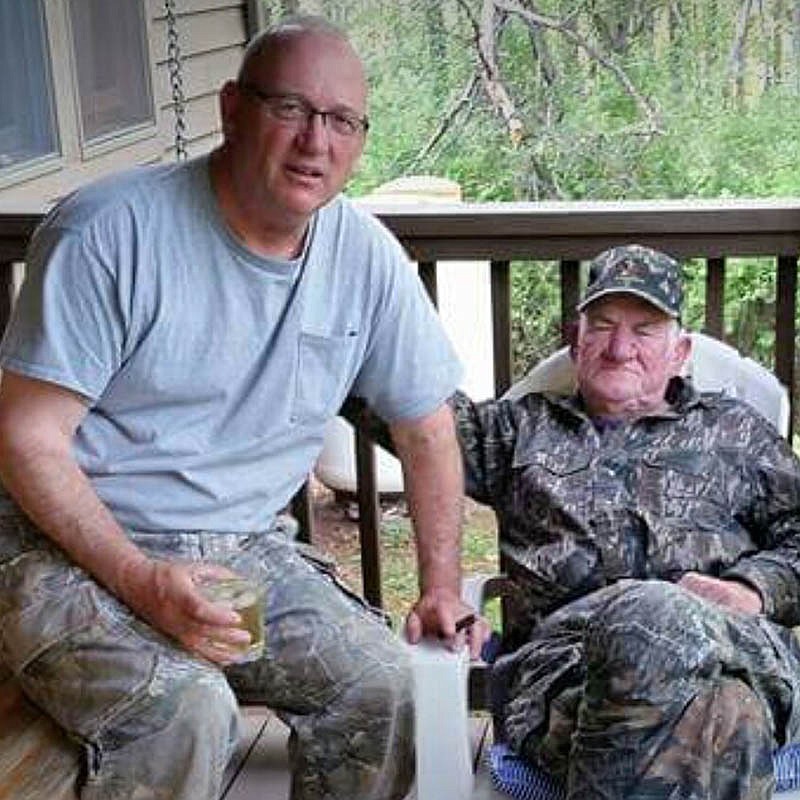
681 396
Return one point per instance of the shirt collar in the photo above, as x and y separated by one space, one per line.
681 396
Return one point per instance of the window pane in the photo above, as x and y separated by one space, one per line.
113 73
27 125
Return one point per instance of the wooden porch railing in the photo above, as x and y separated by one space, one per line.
562 232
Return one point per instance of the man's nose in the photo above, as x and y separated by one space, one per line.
313 135
620 345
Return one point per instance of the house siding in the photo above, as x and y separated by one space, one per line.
212 35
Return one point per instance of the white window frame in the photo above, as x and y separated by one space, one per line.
66 101
130 134
48 162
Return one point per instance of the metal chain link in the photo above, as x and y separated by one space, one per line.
176 81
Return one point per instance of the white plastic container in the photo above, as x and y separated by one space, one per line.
444 763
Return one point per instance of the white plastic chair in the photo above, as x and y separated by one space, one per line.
713 366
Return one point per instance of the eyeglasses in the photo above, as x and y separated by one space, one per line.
296 110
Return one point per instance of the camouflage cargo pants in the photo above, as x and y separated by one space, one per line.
643 691
158 723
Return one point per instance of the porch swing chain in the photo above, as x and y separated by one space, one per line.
176 80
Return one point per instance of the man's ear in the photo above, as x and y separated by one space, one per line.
682 352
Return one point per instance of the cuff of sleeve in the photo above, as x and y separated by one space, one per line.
440 387
757 580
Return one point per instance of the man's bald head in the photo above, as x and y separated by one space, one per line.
270 43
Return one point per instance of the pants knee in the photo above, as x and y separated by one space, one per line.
362 745
385 692
650 642
196 707
208 710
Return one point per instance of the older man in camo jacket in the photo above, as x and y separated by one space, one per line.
653 536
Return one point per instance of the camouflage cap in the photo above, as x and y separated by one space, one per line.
635 269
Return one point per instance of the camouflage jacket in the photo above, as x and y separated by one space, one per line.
708 486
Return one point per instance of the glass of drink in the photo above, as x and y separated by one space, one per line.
234 584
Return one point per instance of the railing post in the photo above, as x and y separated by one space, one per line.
501 339
303 512
427 274
785 329
715 298
369 519
570 272
6 292
501 325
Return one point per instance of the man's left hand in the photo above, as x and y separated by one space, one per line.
733 595
437 613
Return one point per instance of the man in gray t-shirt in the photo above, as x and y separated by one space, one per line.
183 336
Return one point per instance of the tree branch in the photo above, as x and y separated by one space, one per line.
492 83
533 19
445 122
489 72
736 58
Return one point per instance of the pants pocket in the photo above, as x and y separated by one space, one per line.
68 642
327 566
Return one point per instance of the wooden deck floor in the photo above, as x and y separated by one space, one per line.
260 770
38 762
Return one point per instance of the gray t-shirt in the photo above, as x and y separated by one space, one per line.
211 372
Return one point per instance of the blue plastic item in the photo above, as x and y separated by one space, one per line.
524 781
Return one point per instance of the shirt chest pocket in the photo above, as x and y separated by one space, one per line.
326 368
539 474
679 476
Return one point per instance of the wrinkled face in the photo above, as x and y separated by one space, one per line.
625 355
286 169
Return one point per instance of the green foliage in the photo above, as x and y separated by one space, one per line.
749 304
750 308
398 559
726 153
535 313
694 295
585 133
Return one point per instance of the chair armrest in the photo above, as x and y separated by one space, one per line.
477 590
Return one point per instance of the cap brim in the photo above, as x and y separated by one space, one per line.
627 290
